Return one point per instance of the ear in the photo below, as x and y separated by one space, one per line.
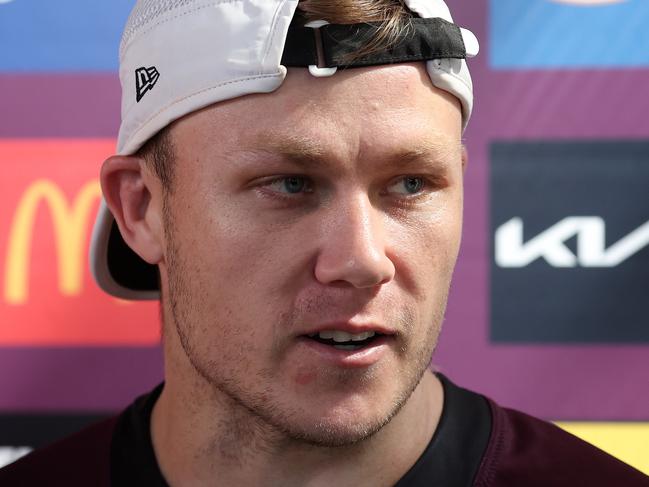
134 197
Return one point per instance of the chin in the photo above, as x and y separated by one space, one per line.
342 424
336 434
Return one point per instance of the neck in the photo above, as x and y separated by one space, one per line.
200 434
198 439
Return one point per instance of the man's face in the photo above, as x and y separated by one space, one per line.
332 205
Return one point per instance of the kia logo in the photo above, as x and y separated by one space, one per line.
512 251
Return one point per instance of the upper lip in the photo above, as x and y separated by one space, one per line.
350 327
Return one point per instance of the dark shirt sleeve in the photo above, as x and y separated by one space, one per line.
82 459
526 451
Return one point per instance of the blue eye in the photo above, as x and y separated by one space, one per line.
294 184
289 184
412 185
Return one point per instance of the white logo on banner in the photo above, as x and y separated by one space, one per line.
551 244
9 454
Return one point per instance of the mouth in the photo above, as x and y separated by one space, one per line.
341 340
346 344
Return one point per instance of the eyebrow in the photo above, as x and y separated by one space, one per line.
292 147
438 150
308 153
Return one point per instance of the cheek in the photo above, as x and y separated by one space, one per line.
229 244
447 227
236 270
305 376
429 240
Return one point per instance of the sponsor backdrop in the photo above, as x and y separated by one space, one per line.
549 310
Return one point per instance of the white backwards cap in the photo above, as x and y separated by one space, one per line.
178 56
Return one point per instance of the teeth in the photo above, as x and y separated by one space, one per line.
342 336
363 336
360 337
346 347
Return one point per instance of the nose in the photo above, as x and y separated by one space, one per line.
354 246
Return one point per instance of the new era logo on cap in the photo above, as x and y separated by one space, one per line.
145 79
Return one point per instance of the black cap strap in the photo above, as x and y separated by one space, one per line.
331 45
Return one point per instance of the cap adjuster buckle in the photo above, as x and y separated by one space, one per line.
317 71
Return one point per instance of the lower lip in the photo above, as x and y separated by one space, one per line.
363 357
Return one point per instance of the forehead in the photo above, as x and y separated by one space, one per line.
357 110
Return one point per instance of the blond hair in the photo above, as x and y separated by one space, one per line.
392 15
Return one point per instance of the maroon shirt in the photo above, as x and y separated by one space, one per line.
477 443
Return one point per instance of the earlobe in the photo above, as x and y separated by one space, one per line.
133 199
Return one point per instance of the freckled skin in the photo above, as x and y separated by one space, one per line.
244 270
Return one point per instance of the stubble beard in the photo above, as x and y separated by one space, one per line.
255 417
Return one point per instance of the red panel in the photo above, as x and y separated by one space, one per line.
49 193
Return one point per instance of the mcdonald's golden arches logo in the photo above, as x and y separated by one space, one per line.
49 195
